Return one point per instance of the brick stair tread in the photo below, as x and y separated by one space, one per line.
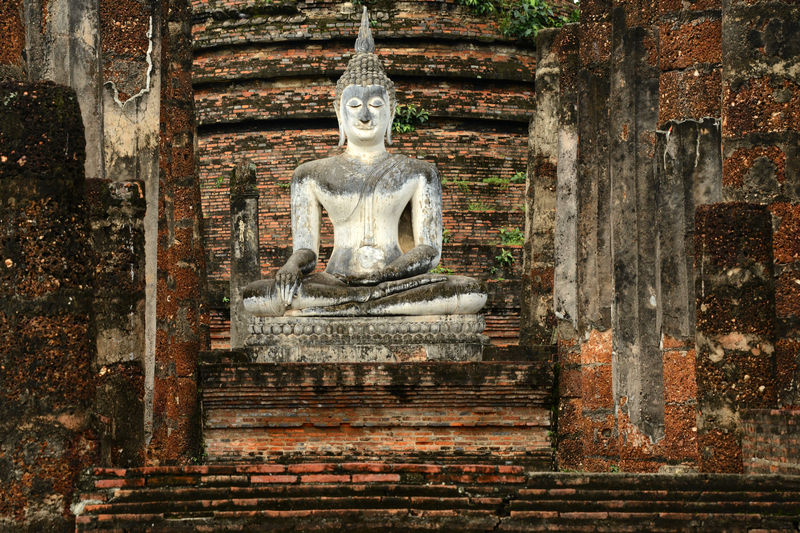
675 505
462 497
283 491
289 502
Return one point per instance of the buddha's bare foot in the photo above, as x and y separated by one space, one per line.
388 288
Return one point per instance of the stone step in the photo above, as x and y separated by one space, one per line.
433 496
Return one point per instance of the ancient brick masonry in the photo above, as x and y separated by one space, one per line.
389 496
47 379
760 139
182 322
735 326
458 412
771 438
11 26
653 110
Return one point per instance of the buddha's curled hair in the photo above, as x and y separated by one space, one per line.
365 69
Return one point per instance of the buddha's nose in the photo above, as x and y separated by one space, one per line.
365 115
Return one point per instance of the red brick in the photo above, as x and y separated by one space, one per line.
324 478
684 45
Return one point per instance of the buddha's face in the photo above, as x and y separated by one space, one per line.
365 114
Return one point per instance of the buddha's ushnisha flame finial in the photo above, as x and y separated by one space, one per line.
365 69
365 44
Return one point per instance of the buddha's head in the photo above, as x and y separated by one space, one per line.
365 97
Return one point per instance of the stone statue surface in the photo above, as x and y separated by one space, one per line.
386 211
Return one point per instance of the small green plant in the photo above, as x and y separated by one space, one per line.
439 269
519 177
525 18
446 235
496 180
219 181
479 7
478 206
225 299
505 258
463 185
511 236
613 468
407 117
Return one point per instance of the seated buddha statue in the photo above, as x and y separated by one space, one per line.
386 212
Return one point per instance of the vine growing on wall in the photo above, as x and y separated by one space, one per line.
522 19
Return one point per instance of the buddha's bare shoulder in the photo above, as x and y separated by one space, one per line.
314 169
418 167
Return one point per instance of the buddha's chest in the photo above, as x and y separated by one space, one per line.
383 201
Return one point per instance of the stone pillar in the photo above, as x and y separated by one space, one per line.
245 264
735 326
569 437
181 317
47 265
63 45
761 148
12 65
537 319
117 220
593 274
638 383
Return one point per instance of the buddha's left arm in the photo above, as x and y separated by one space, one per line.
426 223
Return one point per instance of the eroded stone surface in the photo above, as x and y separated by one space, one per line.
375 339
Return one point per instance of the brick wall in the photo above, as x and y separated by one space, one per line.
455 411
267 95
771 440
698 100
47 373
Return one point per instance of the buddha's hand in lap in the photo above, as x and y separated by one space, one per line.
287 280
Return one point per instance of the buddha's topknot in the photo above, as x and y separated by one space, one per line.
365 68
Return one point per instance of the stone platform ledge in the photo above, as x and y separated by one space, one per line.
366 339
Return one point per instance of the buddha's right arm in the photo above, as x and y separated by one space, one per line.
306 220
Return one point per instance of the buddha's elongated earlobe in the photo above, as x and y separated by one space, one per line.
389 126
341 125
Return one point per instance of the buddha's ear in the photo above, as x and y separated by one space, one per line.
389 127
338 112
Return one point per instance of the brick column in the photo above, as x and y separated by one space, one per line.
735 326
637 371
13 45
47 377
182 322
760 138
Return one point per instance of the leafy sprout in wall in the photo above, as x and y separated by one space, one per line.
439 269
519 177
522 19
505 259
447 235
407 117
511 236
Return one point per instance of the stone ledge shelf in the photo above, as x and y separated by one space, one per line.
391 339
